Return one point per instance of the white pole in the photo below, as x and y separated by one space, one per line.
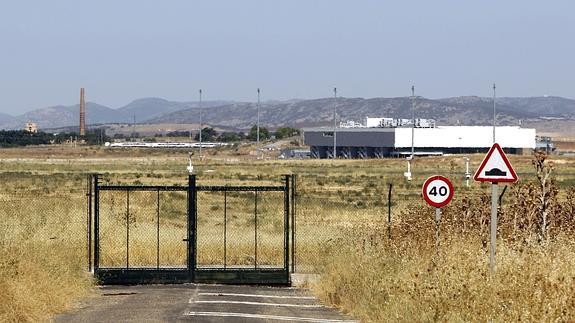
412 120
201 124
334 123
467 173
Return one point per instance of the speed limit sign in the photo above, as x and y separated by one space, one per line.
437 191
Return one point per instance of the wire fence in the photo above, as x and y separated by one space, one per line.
235 229
325 211
57 220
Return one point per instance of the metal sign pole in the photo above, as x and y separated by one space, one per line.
493 229
437 221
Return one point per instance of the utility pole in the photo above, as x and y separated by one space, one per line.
201 124
494 115
334 123
258 126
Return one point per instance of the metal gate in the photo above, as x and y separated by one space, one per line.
203 234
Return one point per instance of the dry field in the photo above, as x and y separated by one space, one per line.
341 232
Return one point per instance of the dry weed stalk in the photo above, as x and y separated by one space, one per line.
547 192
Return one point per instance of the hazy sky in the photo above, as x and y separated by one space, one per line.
122 50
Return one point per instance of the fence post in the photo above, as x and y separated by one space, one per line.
501 195
293 216
192 217
389 211
89 220
225 229
127 229
286 224
256 229
96 182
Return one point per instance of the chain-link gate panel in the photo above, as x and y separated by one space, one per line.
113 237
223 234
270 229
142 229
173 220
211 230
240 229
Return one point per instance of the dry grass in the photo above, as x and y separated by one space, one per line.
42 259
38 280
407 279
401 283
341 207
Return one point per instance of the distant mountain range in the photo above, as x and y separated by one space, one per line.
465 110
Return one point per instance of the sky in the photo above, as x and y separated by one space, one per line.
124 50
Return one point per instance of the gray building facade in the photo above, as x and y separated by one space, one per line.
351 142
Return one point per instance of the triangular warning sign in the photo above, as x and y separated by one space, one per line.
495 167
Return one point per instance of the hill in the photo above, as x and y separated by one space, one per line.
450 111
464 110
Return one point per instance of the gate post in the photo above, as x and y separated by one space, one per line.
286 225
293 227
89 220
96 181
192 217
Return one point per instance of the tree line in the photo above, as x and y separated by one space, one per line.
97 136
210 134
19 138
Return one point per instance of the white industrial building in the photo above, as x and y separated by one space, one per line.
465 137
380 137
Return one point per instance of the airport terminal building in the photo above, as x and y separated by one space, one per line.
364 141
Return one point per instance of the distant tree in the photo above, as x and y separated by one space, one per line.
15 138
208 134
286 132
264 133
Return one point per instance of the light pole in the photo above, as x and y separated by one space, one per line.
201 124
334 123
494 115
410 158
258 126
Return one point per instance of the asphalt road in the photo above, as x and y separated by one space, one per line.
201 303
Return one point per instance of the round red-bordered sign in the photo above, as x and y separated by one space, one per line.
437 191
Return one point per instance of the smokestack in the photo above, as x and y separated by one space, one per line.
82 113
